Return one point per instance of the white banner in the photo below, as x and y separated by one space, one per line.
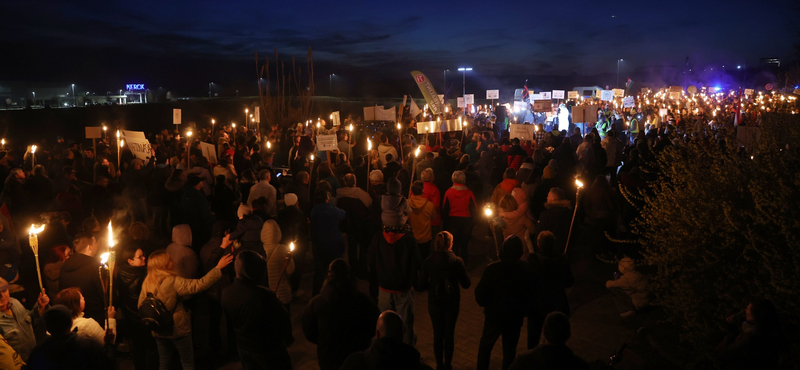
749 92
469 98
257 115
628 102
429 127
572 94
327 142
389 114
537 97
414 108
133 134
139 146
618 93
606 95
523 132
460 102
209 151
492 94
176 116
546 95
558 94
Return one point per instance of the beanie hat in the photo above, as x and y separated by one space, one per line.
290 199
243 210
393 187
556 328
548 173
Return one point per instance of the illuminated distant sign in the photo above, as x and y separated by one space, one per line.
130 87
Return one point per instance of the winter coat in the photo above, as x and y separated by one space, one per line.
516 156
556 218
422 214
459 202
91 329
549 357
395 260
431 192
18 329
183 257
383 150
72 351
442 273
171 290
613 150
518 221
502 189
248 233
276 257
340 321
197 213
394 210
354 192
264 189
326 238
128 285
261 323
552 275
296 187
81 271
385 354
506 291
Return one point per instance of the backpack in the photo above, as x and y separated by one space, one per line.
155 315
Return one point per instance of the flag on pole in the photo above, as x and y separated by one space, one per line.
526 95
414 108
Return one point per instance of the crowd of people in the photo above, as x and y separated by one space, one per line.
214 246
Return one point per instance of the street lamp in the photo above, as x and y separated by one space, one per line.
618 60
209 88
464 82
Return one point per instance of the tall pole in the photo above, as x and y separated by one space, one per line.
464 87
330 84
444 83
618 60
74 100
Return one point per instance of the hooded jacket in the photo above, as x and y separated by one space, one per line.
394 210
431 192
458 202
276 256
395 260
422 214
182 255
556 218
506 290
442 273
248 233
503 188
518 221
128 285
383 150
80 271
385 354
354 192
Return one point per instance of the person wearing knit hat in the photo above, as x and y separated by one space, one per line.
554 349
244 210
290 199
394 207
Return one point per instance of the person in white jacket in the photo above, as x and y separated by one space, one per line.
73 299
277 255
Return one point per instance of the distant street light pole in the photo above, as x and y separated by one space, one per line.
209 88
444 87
74 100
330 84
464 82
618 60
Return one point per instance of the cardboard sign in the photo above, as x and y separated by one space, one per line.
492 94
430 127
327 142
590 113
546 95
558 94
209 151
598 93
139 147
577 114
257 115
94 132
523 132
749 92
469 98
674 95
542 106
460 102
133 134
628 102
335 118
618 93
607 95
572 94
176 116
677 89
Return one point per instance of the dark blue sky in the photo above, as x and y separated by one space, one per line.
186 44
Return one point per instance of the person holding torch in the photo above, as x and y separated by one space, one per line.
279 261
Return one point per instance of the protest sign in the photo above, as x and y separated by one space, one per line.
546 95
460 102
388 114
749 92
607 95
469 98
369 113
674 94
133 134
662 112
523 132
257 115
598 93
677 89
139 147
796 91
558 94
176 116
327 142
618 93
209 151
537 96
335 118
542 106
434 101
429 127
628 102
492 94
572 95
94 132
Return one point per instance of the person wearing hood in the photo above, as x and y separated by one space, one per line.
130 275
355 202
80 271
248 231
553 353
556 217
458 212
395 262
516 155
277 255
506 291
264 189
442 273
385 148
525 170
391 167
394 206
422 214
262 324
341 319
513 209
432 193
506 186
553 276
629 290
327 242
197 212
388 351
424 164
181 253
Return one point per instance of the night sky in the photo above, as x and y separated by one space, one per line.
183 45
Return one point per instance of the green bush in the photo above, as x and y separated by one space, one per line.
723 228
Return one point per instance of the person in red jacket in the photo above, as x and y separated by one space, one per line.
431 192
458 211
516 155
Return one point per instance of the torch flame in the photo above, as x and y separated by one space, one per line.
579 183
33 149
291 247
416 152
488 211
312 157
35 230
110 236
117 133
104 258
